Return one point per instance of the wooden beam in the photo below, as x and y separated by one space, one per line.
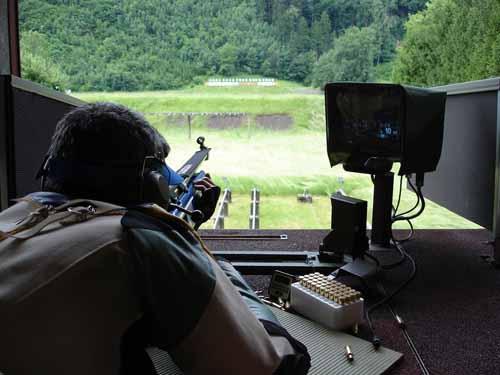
10 61
15 55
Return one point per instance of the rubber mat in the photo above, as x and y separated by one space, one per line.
326 347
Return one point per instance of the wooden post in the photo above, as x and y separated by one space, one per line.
9 38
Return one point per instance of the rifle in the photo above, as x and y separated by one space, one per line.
183 194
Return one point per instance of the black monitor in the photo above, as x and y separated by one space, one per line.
367 122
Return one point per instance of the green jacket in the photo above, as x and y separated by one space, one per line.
74 284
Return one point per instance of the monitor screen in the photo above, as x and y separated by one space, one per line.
365 119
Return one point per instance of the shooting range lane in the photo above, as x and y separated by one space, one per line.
450 309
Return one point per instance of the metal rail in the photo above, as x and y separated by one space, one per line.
265 262
244 237
254 209
222 210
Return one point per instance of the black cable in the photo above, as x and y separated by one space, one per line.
408 237
403 255
416 204
387 298
398 262
406 335
395 210
399 196
401 217
422 207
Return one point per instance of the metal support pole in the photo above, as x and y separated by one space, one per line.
189 126
222 211
255 195
496 206
382 209
219 222
254 222
225 209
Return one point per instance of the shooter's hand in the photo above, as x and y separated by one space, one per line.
206 197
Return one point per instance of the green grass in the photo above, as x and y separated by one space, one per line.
281 185
282 87
285 212
278 212
266 154
280 163
305 109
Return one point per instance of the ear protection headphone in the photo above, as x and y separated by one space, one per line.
157 179
148 181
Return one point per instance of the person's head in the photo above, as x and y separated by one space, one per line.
98 150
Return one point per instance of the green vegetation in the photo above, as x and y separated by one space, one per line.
255 104
278 212
280 163
285 212
244 151
38 66
134 45
307 111
351 59
451 41
151 45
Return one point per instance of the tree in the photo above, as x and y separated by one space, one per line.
450 41
347 13
386 28
228 56
300 67
37 65
264 10
321 34
158 44
305 8
301 40
350 60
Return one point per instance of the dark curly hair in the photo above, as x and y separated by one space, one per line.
102 134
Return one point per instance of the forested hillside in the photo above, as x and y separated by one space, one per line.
162 44
451 41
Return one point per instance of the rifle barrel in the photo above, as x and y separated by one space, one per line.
189 167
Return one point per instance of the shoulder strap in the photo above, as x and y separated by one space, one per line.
72 212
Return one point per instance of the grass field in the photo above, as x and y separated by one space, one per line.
285 212
286 98
280 163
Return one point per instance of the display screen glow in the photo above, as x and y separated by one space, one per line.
367 120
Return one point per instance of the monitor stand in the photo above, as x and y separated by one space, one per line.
381 233
360 267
